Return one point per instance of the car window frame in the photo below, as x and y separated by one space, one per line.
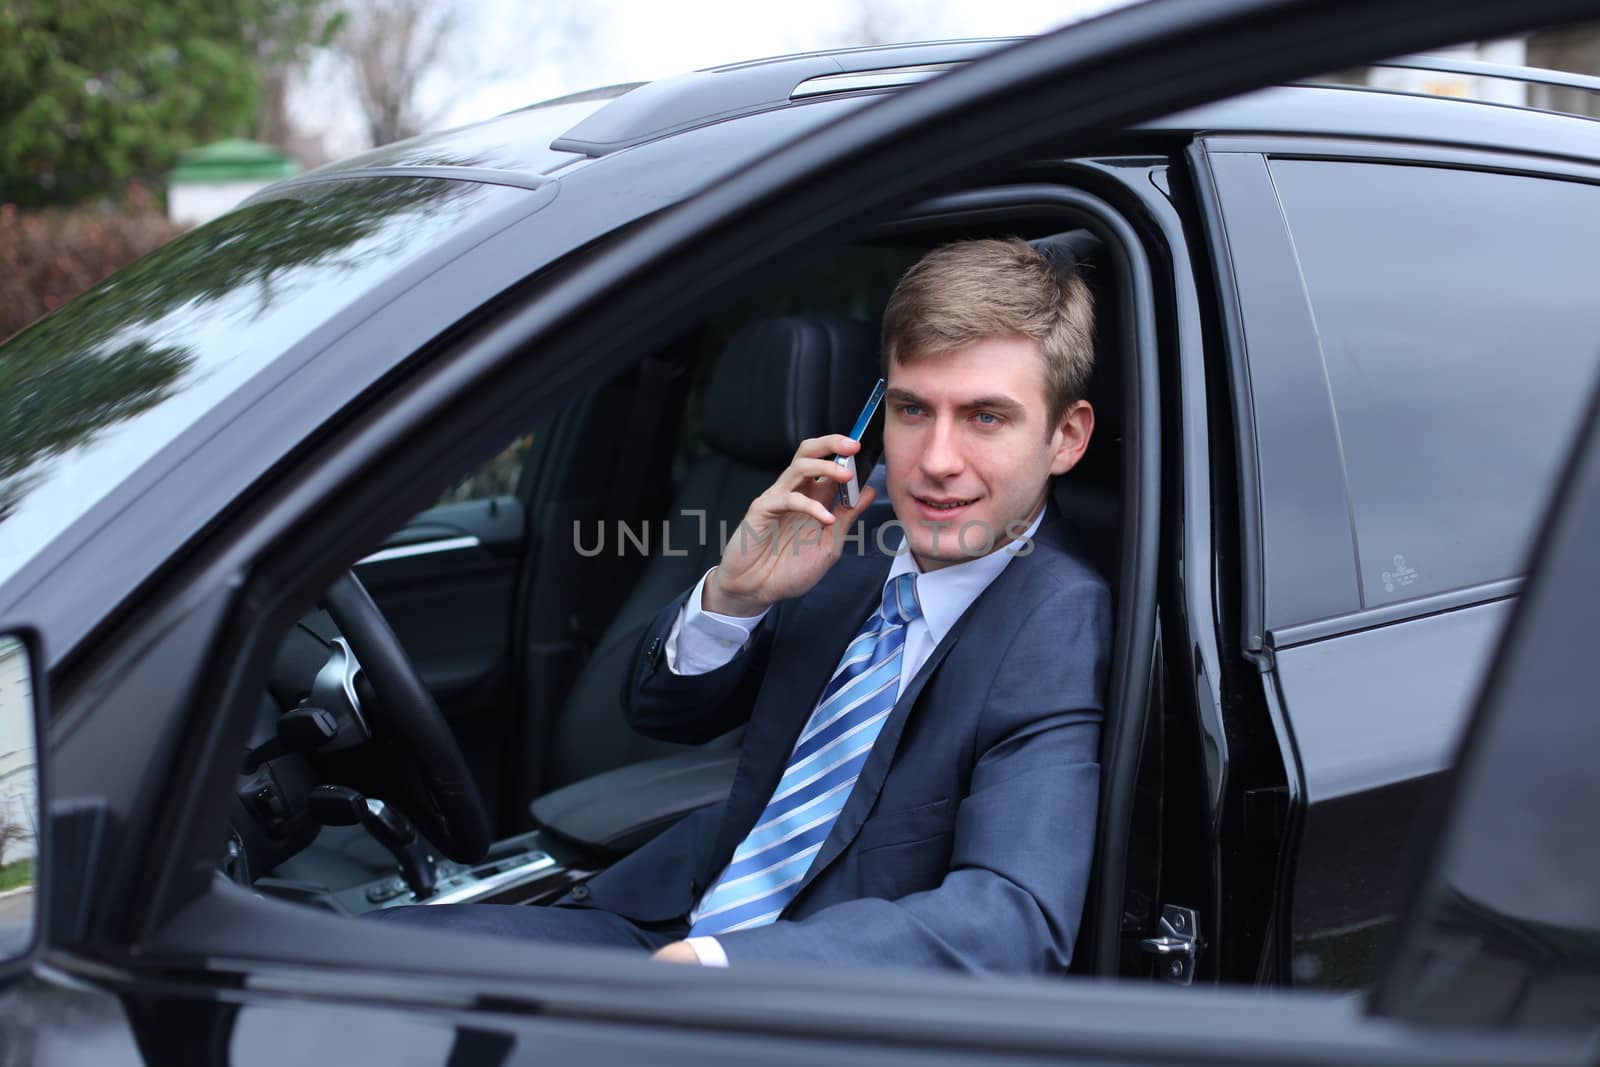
1289 628
1294 556
1424 652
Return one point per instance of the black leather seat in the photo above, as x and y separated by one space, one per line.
778 382
1090 495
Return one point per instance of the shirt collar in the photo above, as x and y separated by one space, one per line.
946 594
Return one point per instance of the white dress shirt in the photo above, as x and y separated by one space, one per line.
700 641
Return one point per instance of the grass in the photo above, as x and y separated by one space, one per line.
16 874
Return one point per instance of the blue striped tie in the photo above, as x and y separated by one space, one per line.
769 864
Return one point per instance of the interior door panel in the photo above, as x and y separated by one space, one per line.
445 582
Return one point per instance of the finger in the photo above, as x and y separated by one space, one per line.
778 504
802 471
799 502
828 445
849 515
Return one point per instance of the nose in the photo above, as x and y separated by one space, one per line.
941 454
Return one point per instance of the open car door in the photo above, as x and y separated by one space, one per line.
1505 927
200 967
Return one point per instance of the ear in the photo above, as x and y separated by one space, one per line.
1071 437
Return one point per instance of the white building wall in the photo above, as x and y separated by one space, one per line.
19 788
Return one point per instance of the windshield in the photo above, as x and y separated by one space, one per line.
90 394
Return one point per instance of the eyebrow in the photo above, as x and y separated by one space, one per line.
1002 404
999 404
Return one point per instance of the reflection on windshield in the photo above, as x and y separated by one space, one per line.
90 393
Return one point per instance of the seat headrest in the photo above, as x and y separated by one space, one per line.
1082 252
1070 251
781 380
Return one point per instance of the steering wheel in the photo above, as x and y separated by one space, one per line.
438 792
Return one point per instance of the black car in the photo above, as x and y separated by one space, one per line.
519 379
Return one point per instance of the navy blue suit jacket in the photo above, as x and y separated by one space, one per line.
967 840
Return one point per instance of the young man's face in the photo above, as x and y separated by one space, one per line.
968 447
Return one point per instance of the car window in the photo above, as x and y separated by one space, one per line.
91 393
496 478
1460 336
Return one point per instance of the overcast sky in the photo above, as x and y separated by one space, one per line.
509 53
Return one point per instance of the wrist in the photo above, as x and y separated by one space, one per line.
717 600
677 952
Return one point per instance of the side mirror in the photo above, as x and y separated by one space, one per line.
21 844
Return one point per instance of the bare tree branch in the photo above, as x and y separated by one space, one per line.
9 832
391 47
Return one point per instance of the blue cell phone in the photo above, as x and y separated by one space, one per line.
850 492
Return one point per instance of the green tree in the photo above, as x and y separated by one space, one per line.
94 93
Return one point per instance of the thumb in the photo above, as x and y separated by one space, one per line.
847 515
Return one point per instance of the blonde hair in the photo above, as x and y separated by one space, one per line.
963 292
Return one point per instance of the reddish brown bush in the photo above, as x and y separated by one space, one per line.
49 257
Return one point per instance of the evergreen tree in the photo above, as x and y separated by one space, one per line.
95 93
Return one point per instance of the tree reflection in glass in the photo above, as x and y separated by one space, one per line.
89 393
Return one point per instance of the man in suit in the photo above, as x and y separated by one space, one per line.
922 690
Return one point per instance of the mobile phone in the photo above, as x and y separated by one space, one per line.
860 465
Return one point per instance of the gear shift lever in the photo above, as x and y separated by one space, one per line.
337 805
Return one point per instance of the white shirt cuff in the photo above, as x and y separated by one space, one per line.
700 641
709 951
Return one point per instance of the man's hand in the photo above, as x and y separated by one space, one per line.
791 535
676 952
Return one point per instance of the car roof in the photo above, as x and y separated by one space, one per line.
523 146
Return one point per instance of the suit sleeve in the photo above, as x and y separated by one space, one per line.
1024 833
691 708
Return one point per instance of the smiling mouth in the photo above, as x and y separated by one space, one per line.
944 505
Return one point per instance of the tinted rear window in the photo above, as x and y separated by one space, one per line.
89 394
1460 331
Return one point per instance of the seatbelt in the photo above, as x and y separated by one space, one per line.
643 462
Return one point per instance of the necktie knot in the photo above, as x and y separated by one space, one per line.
900 603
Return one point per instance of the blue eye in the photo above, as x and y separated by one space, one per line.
988 418
910 409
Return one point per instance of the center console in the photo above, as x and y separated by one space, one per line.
583 827
525 869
